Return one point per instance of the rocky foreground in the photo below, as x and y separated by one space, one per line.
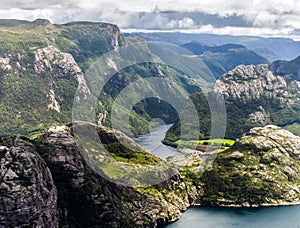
46 182
261 169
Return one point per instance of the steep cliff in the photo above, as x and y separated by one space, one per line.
50 63
256 96
48 181
28 195
253 95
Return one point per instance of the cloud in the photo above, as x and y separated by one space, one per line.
261 17
186 22
229 30
37 4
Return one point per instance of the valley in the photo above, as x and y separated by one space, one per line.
102 129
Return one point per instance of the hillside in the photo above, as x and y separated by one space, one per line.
49 180
261 169
198 48
206 62
287 68
220 63
254 96
43 65
38 80
284 48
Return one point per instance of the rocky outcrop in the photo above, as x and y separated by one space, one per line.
261 169
246 83
260 116
5 63
28 196
42 22
47 182
60 65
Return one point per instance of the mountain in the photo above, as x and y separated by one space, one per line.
267 53
287 68
198 49
256 96
220 63
45 68
205 62
38 79
220 59
283 47
253 95
261 169
48 180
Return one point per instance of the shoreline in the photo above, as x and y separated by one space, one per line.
287 204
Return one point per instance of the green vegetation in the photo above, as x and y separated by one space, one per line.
206 142
290 68
220 63
150 108
206 66
200 101
294 128
255 171
123 154
25 92
238 121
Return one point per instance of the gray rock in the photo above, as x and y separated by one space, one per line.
28 196
261 169
253 82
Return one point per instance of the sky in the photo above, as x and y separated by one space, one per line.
279 18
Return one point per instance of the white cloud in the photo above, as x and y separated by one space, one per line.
186 23
265 16
228 30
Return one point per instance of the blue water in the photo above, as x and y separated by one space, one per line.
152 142
211 217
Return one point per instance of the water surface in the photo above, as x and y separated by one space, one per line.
152 142
211 217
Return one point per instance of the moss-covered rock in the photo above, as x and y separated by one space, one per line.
53 183
262 168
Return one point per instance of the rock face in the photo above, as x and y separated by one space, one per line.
256 96
46 182
246 83
262 168
60 65
253 96
28 196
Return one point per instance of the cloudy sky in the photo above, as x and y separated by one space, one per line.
235 17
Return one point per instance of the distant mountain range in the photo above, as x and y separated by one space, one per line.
203 61
270 48
198 49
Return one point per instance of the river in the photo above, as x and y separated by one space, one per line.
152 142
211 217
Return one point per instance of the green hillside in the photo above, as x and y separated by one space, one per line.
43 65
253 96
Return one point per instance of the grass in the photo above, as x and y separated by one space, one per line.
294 128
206 142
